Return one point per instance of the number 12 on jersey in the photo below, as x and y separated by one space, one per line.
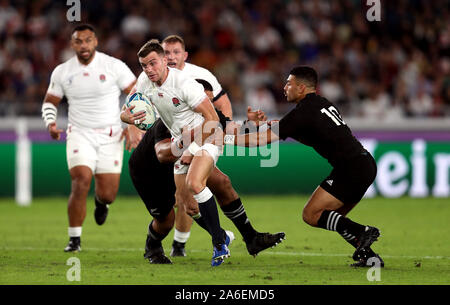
333 114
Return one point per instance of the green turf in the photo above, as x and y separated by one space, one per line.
415 245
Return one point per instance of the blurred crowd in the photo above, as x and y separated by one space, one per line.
398 67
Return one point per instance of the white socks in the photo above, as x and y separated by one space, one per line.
181 237
203 196
74 231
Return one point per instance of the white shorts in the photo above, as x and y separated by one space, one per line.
100 149
211 149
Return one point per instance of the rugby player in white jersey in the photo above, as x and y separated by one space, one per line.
175 52
180 102
92 83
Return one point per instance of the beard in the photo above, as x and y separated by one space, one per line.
85 58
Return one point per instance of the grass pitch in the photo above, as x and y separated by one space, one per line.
415 245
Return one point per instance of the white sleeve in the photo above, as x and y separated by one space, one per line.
55 87
124 75
217 88
192 92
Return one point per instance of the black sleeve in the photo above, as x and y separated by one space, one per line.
290 125
161 132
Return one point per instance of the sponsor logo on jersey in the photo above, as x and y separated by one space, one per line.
176 102
160 94
75 151
330 182
116 163
85 74
102 78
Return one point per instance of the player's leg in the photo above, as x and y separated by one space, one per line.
200 169
322 211
363 172
81 177
81 156
157 191
183 223
231 205
185 199
106 187
158 229
340 192
107 173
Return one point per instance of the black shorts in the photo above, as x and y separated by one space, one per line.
153 180
349 182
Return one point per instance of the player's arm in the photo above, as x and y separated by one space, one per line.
163 151
49 113
211 121
254 119
130 89
223 104
253 139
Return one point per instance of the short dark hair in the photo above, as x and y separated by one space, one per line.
152 45
174 39
83 27
305 74
206 85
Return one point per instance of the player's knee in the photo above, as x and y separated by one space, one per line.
194 185
106 197
81 184
225 181
310 217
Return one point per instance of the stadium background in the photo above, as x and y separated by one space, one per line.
390 79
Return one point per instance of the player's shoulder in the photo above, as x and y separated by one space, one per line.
191 67
197 71
179 77
314 100
66 66
108 59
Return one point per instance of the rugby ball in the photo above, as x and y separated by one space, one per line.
142 103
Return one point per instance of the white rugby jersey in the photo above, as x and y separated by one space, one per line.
92 91
175 99
202 73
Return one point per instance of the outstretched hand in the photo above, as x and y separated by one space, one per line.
257 116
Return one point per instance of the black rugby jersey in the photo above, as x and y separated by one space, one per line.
316 122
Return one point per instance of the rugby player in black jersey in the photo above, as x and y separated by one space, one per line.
317 123
151 171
